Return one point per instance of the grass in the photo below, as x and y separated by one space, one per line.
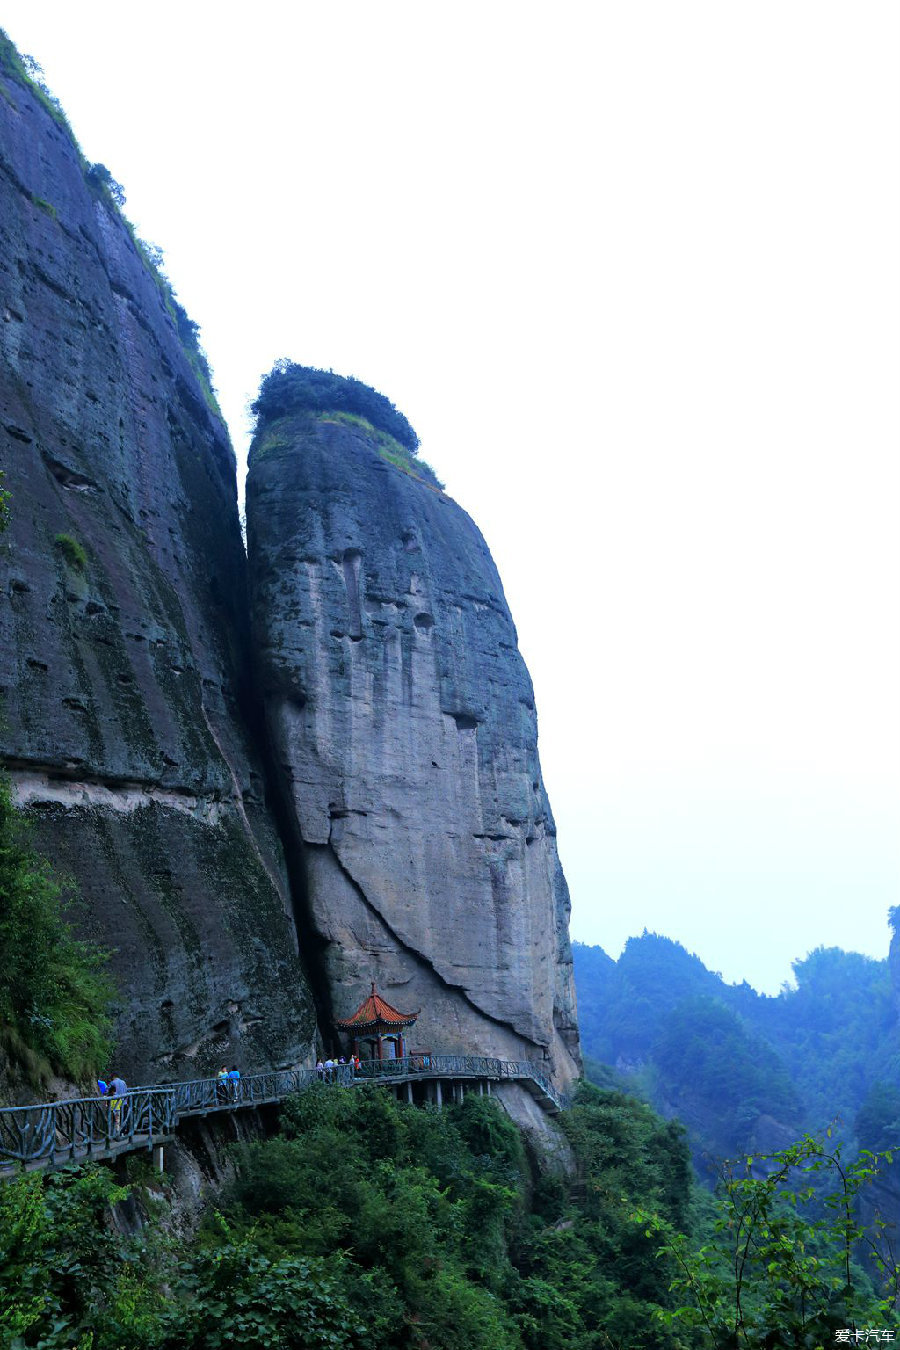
72 551
388 448
12 65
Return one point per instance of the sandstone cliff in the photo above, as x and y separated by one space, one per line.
122 625
403 724
371 783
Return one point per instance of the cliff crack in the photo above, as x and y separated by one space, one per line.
420 958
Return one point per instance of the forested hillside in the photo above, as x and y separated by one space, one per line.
742 1069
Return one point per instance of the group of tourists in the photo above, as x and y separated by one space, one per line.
327 1069
228 1084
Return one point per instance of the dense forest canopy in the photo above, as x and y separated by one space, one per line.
724 1057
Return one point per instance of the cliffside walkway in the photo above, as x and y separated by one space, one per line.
53 1134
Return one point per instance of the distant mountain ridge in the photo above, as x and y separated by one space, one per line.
745 1070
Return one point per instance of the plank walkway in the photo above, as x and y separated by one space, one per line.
54 1134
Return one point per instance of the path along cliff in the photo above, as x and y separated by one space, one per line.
256 840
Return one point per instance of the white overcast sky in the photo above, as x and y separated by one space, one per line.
632 271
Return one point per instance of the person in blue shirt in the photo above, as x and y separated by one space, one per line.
234 1083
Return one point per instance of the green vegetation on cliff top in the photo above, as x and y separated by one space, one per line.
289 389
25 71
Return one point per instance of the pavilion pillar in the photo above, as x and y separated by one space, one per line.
409 1092
437 1094
480 1088
158 1163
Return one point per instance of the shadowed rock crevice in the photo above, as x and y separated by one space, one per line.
124 631
312 942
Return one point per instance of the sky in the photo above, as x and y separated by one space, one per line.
632 272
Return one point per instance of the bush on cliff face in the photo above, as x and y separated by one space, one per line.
72 551
289 388
54 992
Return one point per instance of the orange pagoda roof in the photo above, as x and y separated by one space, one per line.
375 1012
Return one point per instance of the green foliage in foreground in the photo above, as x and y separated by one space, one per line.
289 388
372 1225
781 1267
365 1224
54 991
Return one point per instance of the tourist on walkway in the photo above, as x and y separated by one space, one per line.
222 1085
234 1083
116 1090
320 1070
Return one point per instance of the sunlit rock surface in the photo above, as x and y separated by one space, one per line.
403 725
122 622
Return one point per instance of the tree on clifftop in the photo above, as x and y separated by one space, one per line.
289 388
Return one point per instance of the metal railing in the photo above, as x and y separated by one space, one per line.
210 1094
447 1066
72 1131
54 1133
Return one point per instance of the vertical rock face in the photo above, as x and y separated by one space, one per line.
122 620
402 718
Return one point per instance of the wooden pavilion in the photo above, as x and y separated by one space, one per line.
378 1028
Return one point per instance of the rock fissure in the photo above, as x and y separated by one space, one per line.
444 882
421 958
